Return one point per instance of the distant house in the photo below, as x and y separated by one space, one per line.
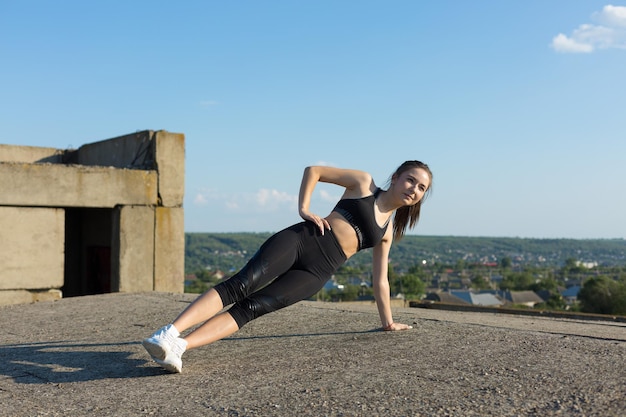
445 297
450 279
527 298
219 275
490 298
478 299
570 295
356 280
189 278
465 297
331 285
440 280
544 294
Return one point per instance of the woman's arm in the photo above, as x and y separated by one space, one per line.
355 182
380 281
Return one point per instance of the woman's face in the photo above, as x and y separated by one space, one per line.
411 185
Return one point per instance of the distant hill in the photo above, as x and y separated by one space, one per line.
230 251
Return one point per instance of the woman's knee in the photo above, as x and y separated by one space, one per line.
254 307
243 283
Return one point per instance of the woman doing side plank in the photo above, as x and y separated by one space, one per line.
295 263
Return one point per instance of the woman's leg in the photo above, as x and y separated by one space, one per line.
293 286
202 309
318 259
288 289
273 258
253 293
214 329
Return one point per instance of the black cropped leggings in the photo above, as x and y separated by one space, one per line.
290 266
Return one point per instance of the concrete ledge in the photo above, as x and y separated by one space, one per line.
30 154
516 311
8 297
53 185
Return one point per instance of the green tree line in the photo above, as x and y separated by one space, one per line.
598 266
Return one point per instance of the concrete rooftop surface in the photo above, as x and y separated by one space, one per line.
82 356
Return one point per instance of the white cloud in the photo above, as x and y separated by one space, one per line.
263 200
324 164
609 33
562 43
274 199
613 16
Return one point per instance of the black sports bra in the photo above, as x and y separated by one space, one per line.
359 212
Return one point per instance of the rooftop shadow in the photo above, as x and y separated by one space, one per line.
63 362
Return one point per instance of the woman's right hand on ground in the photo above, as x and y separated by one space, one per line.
394 327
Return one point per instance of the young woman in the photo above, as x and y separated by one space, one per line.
295 263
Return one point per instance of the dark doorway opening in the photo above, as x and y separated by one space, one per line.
88 234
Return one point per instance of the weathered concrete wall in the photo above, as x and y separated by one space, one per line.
55 185
105 217
169 250
170 162
32 254
134 151
132 253
30 154
161 151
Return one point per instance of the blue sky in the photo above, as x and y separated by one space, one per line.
518 107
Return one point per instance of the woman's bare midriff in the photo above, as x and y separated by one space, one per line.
344 233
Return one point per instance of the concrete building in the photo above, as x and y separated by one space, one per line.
107 217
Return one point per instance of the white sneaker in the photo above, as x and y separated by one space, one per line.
160 343
173 361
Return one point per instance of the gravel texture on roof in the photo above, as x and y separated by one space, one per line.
82 356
